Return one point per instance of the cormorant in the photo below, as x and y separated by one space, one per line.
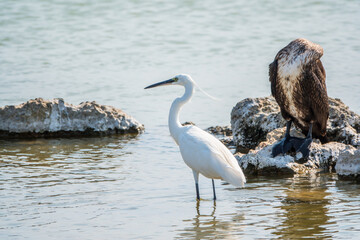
297 79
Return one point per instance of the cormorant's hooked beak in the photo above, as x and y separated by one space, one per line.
166 82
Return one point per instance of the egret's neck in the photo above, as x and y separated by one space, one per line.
174 122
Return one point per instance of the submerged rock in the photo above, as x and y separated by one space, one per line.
253 119
55 118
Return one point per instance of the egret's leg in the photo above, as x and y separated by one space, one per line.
196 177
213 184
285 144
197 191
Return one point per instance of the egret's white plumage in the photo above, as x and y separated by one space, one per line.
201 151
205 154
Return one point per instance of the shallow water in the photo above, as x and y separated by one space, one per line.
138 186
105 188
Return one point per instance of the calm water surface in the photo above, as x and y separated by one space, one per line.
137 187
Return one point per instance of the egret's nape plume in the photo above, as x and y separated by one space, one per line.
207 94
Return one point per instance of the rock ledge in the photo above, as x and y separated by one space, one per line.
55 118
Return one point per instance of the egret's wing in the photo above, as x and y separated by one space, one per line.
196 151
206 154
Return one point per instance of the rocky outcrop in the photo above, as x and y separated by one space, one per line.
330 157
257 125
55 118
348 165
344 124
322 158
253 119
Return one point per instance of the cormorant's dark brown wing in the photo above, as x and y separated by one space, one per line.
272 76
321 72
319 102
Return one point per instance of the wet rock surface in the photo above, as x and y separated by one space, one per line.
55 118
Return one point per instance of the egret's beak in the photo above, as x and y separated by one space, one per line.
166 82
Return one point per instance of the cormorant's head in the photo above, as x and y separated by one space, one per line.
301 50
293 58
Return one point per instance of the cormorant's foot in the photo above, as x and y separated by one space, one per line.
277 149
305 147
283 146
297 142
287 145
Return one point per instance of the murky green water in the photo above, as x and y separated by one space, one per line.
138 186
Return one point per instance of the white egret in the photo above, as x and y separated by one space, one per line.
201 151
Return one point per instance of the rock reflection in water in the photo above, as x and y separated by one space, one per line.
59 183
38 150
305 209
46 162
60 161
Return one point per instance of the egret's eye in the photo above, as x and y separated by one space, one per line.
175 79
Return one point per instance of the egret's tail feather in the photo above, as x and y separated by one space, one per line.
234 177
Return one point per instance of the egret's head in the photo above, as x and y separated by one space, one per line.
181 79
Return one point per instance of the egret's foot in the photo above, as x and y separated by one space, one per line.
283 146
305 147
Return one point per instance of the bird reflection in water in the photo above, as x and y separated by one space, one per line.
304 208
207 226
